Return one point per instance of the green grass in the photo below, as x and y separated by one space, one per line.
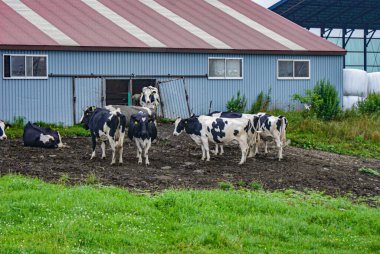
72 131
36 217
369 171
353 134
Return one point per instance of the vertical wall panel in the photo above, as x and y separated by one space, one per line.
173 99
51 100
88 93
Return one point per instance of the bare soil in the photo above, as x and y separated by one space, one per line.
175 163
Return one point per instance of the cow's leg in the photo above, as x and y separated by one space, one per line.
113 147
121 147
139 151
146 152
103 150
216 149
279 146
206 147
265 147
203 152
221 150
244 150
93 140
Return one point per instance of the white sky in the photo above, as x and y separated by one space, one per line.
266 3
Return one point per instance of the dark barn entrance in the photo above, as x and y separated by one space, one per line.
119 91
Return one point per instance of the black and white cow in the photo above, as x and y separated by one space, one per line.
203 129
142 129
252 117
3 127
36 136
128 111
272 128
105 125
150 98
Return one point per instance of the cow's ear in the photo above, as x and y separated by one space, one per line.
93 108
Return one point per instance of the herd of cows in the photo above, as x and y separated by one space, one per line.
111 123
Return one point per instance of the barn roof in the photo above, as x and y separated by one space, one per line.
154 25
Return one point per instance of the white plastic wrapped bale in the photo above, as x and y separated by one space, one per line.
355 83
374 82
351 101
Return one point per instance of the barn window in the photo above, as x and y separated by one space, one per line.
25 67
225 68
293 69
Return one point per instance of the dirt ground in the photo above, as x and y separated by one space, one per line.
175 163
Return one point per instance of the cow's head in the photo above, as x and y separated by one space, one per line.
3 127
142 126
85 119
179 126
149 97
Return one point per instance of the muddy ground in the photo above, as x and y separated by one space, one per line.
175 163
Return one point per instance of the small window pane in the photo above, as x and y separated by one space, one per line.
18 66
285 69
233 68
301 69
7 66
216 68
29 66
39 66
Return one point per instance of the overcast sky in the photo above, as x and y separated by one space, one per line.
266 3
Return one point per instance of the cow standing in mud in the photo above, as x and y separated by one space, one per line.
272 128
142 129
203 129
105 125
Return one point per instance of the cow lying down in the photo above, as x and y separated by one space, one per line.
3 127
203 129
36 136
143 130
105 125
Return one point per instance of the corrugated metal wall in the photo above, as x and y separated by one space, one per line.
51 100
173 98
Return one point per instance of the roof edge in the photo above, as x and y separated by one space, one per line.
172 50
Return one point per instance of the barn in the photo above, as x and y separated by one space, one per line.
60 56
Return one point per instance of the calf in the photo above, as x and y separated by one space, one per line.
36 136
105 125
272 128
3 127
203 129
150 98
143 130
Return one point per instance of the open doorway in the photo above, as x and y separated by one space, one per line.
120 91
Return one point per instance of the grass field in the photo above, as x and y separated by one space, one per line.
36 217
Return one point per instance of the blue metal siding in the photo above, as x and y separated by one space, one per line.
51 100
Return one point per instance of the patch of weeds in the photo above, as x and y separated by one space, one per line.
92 179
256 186
241 184
64 179
369 171
226 186
165 120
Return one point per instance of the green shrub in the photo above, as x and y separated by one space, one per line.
323 99
371 104
262 102
238 104
18 122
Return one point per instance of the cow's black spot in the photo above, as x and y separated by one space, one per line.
1 132
236 132
208 129
192 126
264 120
226 122
217 130
143 98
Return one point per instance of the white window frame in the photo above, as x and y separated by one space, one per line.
25 77
292 60
225 64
